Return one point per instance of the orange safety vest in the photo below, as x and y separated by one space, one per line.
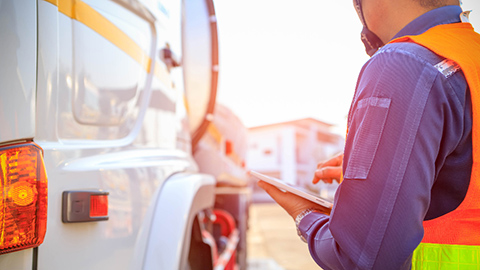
452 241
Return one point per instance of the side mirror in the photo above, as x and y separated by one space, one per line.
200 63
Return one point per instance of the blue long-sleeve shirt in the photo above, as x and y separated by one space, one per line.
407 158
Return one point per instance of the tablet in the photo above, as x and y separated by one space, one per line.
299 191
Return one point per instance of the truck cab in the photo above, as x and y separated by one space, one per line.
102 103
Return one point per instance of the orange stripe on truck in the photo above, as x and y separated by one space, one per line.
82 12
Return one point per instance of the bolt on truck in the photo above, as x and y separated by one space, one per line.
103 104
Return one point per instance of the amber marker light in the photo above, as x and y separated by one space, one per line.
23 193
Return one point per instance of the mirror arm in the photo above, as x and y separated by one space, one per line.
170 59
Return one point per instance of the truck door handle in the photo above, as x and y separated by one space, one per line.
170 59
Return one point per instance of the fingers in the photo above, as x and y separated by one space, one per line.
334 161
327 174
329 170
279 196
274 192
292 203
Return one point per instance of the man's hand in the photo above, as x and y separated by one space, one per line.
329 170
293 204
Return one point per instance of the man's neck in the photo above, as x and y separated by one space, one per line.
400 13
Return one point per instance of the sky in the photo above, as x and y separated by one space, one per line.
284 60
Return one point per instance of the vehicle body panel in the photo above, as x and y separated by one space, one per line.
18 49
109 134
110 115
190 194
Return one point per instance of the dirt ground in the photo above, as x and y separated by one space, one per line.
273 243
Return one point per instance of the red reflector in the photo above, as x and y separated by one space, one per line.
23 193
98 205
228 147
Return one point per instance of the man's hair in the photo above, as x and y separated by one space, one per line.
434 3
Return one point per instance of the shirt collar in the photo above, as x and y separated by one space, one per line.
443 15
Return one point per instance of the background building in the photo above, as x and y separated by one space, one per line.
291 150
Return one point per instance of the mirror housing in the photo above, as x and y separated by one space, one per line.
200 63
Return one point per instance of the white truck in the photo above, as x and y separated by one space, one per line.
106 99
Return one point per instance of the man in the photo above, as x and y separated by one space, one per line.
407 166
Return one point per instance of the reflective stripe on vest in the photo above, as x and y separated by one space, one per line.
438 256
453 240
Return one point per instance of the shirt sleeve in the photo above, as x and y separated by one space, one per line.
397 129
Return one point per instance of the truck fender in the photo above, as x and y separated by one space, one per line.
179 200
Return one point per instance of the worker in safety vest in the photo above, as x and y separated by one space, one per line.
410 195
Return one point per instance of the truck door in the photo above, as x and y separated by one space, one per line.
99 64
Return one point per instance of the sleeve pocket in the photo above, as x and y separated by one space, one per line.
370 115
